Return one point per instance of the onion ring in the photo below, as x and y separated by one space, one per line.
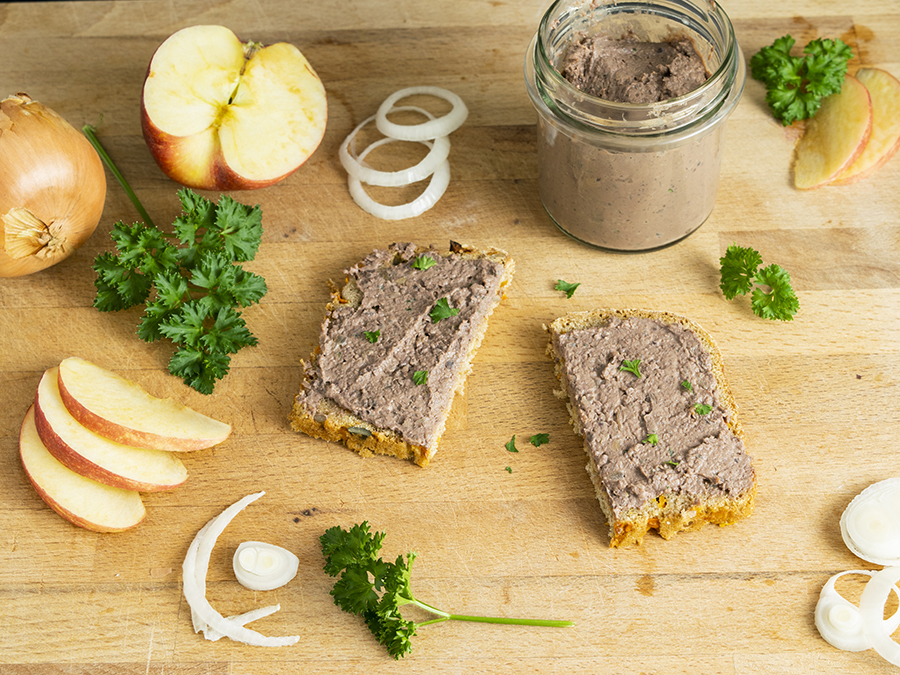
425 131
354 166
870 525
871 610
839 621
196 562
440 179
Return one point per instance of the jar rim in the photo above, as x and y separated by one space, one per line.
702 104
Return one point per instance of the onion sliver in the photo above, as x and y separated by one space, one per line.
439 152
425 131
196 562
870 525
839 620
440 179
871 610
242 620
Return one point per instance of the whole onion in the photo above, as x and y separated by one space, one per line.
52 187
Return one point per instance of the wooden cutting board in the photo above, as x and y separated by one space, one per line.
496 533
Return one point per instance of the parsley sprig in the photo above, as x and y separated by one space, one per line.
796 85
190 281
375 590
772 294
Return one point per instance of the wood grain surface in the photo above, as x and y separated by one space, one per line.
819 396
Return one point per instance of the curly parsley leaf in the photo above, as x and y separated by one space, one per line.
190 281
565 287
739 265
442 310
539 439
780 302
702 408
796 85
772 295
375 590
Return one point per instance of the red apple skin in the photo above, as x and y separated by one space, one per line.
73 460
134 437
44 494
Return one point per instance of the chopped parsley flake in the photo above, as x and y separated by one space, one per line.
631 366
423 262
511 445
539 439
372 335
442 310
420 377
687 385
565 287
653 439
702 408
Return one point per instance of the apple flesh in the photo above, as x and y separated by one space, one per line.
120 410
219 114
835 136
79 500
93 456
884 142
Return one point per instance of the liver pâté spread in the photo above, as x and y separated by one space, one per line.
628 70
375 379
644 433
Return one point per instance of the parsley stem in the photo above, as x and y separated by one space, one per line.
444 616
91 132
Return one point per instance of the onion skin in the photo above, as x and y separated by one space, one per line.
50 176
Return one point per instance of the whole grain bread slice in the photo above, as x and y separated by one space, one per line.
667 510
318 414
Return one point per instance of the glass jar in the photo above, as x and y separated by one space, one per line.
626 176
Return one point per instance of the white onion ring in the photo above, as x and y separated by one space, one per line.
839 620
870 525
871 610
196 563
440 179
424 131
439 152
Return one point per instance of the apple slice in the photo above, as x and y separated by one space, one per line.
219 114
884 89
120 410
835 136
79 500
96 457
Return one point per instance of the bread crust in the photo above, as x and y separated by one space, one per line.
668 513
336 424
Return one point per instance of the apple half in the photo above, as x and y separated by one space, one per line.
884 142
120 410
835 136
79 500
96 457
219 114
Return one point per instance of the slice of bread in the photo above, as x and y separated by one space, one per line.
664 444
396 346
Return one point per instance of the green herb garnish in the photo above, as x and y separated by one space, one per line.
190 280
653 439
420 377
687 385
539 439
740 274
375 590
442 310
511 445
565 287
672 462
423 262
509 469
372 335
702 408
796 85
631 366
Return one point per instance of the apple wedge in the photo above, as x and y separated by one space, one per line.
219 114
96 457
884 142
79 500
835 136
120 410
